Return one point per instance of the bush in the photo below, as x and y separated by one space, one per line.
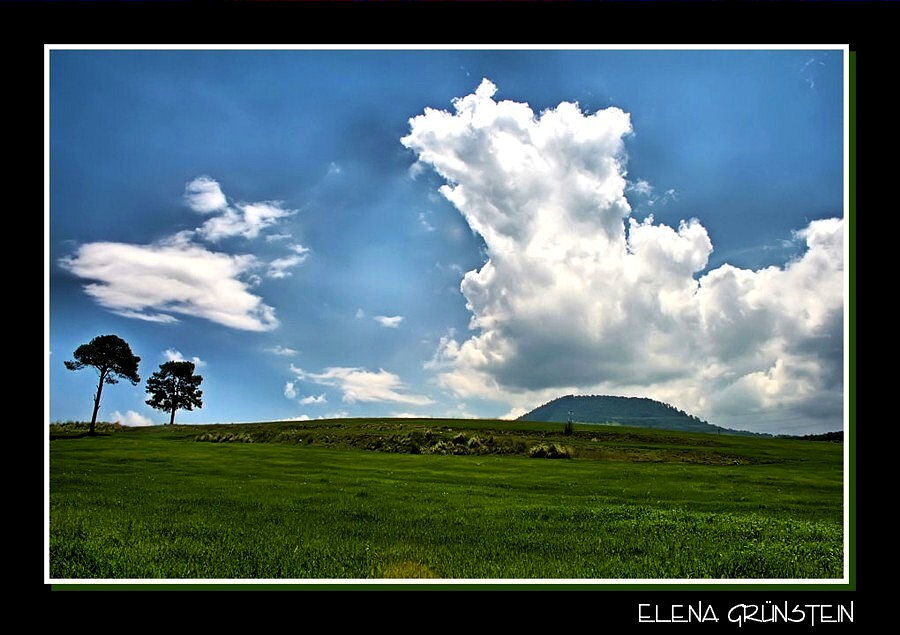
551 451
225 437
441 447
68 428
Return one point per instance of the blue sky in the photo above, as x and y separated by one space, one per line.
279 216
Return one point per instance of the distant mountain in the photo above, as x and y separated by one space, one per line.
626 411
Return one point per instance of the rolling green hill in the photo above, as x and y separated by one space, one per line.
443 498
627 411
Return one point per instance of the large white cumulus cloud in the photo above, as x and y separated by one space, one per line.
578 296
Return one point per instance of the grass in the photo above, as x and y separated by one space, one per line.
306 500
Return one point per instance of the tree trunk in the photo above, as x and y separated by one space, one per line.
97 401
172 420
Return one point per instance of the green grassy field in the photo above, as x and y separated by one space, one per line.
411 499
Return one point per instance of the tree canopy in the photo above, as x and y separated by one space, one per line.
175 386
112 358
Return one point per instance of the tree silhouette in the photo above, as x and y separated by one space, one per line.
111 356
174 386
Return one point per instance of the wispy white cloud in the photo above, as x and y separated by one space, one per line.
390 322
810 70
130 418
274 237
174 355
278 349
360 314
455 268
360 385
645 190
279 267
424 224
289 391
151 282
314 399
640 187
204 195
243 219
331 415
415 170
161 318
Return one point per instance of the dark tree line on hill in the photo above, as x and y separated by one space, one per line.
837 436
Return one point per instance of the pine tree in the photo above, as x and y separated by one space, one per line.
175 386
111 356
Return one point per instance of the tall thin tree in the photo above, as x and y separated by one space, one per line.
111 356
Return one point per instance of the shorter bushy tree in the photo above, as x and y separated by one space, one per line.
175 386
